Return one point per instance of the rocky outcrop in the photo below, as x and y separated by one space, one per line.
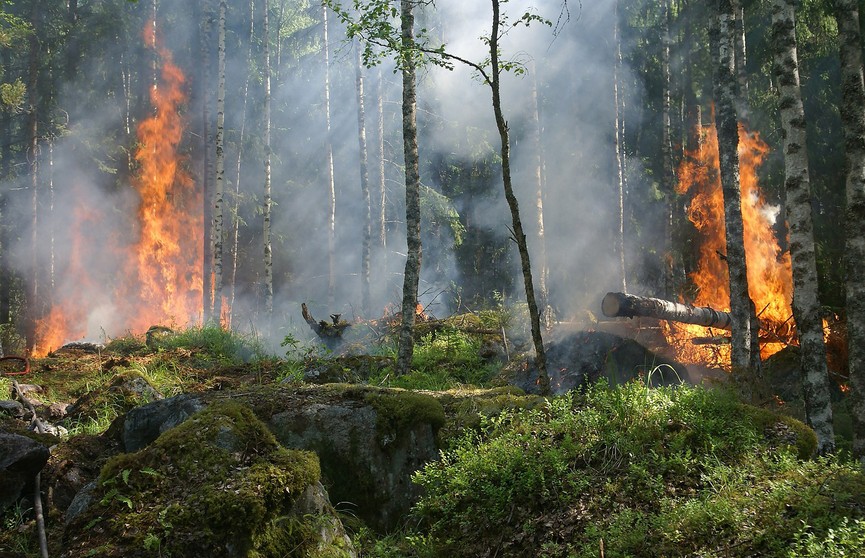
219 484
369 441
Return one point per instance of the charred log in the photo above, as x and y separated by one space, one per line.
330 332
629 306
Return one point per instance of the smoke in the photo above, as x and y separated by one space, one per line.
92 218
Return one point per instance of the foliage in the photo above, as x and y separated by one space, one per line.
215 343
666 472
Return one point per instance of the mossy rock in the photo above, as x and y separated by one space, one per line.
783 431
468 408
218 484
369 440
125 391
346 369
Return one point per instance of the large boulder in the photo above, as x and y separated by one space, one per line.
21 459
219 484
370 441
580 358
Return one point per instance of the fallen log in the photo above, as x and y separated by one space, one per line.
628 306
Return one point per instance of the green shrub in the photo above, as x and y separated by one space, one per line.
651 472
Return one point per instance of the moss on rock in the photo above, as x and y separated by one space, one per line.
217 485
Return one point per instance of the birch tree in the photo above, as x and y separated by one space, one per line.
328 151
219 190
728 145
366 241
268 201
853 123
618 138
806 305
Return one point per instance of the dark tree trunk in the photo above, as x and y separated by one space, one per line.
411 277
519 235
853 122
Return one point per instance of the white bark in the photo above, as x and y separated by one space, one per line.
806 305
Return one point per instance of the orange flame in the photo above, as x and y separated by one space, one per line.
163 275
769 269
160 279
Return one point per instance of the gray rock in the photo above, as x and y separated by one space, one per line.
12 408
80 502
144 424
366 469
21 459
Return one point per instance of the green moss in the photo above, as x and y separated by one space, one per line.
782 430
218 480
398 411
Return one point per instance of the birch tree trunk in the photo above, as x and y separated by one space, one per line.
364 187
411 277
235 242
268 202
519 235
219 191
206 180
853 123
546 308
667 173
331 189
381 219
620 154
806 305
728 145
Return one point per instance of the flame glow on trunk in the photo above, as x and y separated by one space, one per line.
157 278
769 269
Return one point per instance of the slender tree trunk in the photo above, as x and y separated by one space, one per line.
219 192
806 305
235 242
728 144
667 173
546 308
268 202
620 155
331 189
382 188
34 308
364 188
411 277
207 138
519 235
853 122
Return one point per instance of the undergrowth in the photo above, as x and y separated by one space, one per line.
663 472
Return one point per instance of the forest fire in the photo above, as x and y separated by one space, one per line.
157 277
769 269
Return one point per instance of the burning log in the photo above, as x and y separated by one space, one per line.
628 306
